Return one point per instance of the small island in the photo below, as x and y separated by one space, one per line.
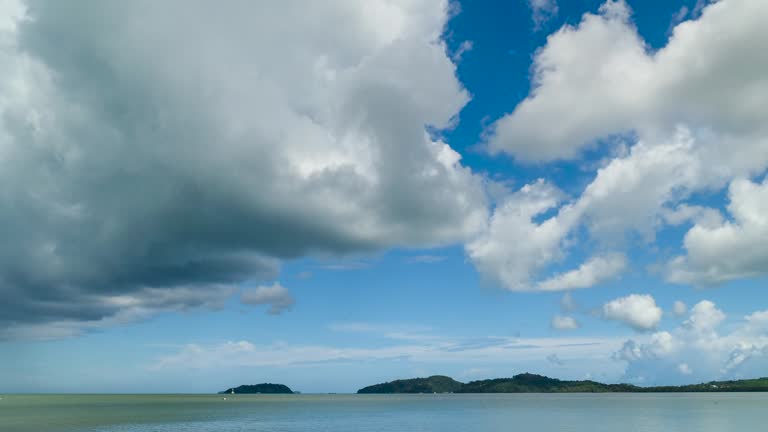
265 388
532 383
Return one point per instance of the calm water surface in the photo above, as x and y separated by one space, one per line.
368 413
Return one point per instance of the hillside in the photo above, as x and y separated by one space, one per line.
433 384
532 383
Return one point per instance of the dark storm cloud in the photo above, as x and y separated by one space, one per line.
157 154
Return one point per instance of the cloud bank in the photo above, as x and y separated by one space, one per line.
682 120
697 351
178 147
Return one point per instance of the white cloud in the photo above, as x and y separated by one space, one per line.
276 296
704 318
593 272
514 247
388 331
679 308
425 259
733 249
440 350
698 78
630 192
542 11
604 58
687 213
660 344
564 323
463 48
691 113
697 352
639 311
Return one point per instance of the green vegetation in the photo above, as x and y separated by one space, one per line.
532 383
746 385
433 384
266 388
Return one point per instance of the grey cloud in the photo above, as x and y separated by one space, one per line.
276 296
150 146
554 359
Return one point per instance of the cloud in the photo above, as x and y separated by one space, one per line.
638 311
276 296
688 115
697 352
732 249
687 213
697 79
564 323
475 372
440 350
554 359
387 331
627 195
347 265
118 309
704 318
567 303
190 145
425 259
595 271
543 11
514 246
684 369
685 12
679 308
463 48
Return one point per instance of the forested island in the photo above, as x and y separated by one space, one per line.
265 388
532 383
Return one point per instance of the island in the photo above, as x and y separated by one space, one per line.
265 388
533 383
433 384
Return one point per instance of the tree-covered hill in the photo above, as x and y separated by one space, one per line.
433 384
532 383
266 388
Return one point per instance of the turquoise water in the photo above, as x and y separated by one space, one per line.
367 413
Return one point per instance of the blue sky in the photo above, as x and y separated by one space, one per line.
204 196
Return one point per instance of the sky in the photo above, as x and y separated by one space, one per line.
334 194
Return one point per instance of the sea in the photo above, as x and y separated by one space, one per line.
609 412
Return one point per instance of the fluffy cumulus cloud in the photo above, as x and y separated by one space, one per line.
635 310
731 249
179 147
514 246
690 115
596 270
276 296
698 78
697 351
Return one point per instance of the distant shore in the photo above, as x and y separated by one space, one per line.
532 383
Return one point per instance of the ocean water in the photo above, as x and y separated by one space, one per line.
712 412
